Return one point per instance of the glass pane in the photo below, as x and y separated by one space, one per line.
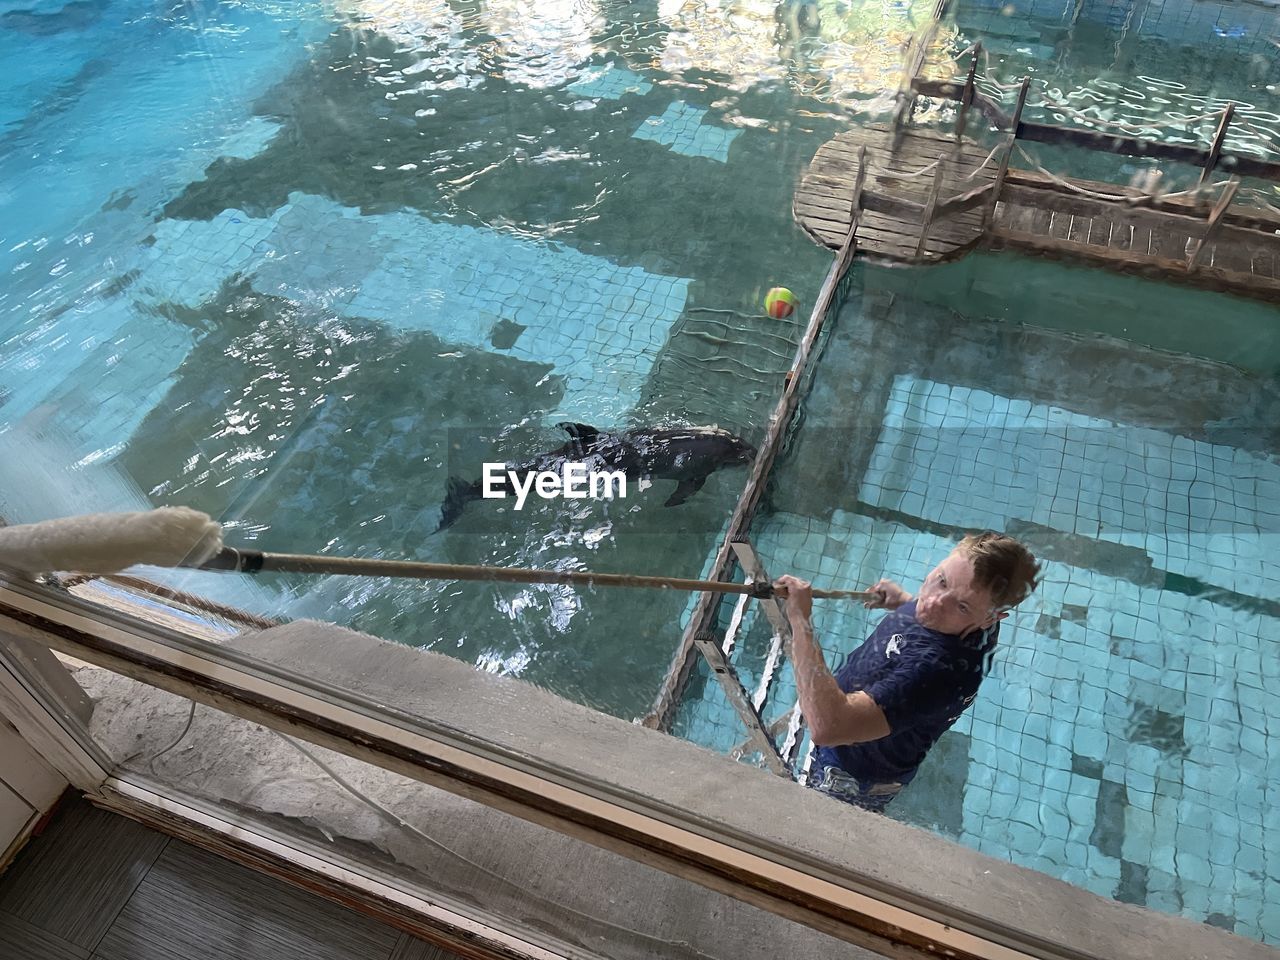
1120 741
517 877
387 244
346 255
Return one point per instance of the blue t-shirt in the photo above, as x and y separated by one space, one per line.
921 679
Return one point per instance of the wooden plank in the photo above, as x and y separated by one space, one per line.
893 234
1108 142
1015 217
966 95
939 174
949 89
965 201
1210 277
1168 245
904 160
918 142
1229 257
880 203
1003 171
1122 237
1215 148
1141 242
703 618
909 233
1059 224
1091 207
1238 216
822 177
1215 220
1039 223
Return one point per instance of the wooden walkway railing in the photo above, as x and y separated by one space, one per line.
1201 236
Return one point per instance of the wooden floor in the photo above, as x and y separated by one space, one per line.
895 194
1235 248
97 886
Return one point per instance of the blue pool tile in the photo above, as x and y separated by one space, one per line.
609 81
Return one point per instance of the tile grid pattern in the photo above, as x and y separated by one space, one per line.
597 325
600 326
683 128
609 82
1196 509
1128 736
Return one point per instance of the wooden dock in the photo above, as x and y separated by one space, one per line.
921 196
894 200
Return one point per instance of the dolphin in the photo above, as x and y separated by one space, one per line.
687 455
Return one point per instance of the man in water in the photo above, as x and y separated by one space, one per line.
873 721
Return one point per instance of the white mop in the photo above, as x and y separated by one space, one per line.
108 542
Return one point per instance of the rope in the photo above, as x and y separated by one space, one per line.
1261 198
926 169
1112 197
1265 137
982 166
230 614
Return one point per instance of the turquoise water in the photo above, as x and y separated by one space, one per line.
1126 738
297 264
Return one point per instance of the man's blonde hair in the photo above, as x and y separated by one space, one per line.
1002 566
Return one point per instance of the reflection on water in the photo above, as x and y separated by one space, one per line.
399 239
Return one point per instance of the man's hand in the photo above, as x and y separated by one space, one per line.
798 595
886 595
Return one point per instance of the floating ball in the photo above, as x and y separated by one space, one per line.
779 303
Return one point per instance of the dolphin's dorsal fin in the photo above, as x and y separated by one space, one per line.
584 434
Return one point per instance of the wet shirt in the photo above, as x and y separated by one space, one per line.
921 679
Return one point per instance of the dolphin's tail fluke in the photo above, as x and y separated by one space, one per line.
458 494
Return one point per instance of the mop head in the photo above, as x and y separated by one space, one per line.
108 542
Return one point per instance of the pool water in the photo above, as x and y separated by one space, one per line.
299 264
1125 740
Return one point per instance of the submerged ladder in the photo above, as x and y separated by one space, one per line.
699 636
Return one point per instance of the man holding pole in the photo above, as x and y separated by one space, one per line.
874 720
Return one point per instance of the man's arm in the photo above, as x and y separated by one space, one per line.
834 717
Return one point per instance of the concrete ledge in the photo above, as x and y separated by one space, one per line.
829 838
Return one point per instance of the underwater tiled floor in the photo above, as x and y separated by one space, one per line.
611 82
681 128
596 324
1128 738
1197 509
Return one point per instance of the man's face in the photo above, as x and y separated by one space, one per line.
950 603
